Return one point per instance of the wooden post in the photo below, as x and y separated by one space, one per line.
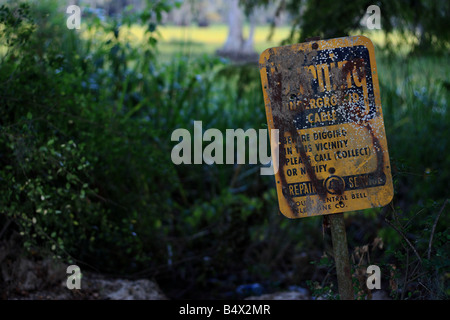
341 257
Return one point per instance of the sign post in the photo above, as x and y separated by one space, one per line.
341 257
323 97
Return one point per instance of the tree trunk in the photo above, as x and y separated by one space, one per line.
248 47
235 39
235 47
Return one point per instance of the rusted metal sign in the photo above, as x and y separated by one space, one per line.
324 98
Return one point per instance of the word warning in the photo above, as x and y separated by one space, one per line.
324 98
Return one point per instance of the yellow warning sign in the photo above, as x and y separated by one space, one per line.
324 98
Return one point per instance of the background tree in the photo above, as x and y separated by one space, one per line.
330 18
235 46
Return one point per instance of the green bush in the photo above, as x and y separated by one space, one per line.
79 170
85 138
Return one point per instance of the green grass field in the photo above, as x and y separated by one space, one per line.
206 40
196 41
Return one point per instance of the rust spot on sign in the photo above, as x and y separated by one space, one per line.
323 97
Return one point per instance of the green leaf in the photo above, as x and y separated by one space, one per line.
151 27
